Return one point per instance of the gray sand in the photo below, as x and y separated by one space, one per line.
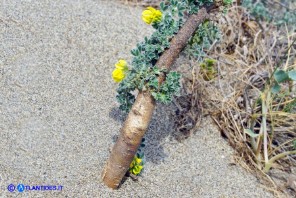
59 116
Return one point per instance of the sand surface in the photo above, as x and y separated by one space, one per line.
59 116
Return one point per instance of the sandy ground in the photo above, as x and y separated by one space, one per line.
59 116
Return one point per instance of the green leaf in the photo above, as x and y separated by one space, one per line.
163 7
281 76
154 83
135 52
250 133
140 155
162 97
154 94
174 3
227 2
156 70
276 88
292 75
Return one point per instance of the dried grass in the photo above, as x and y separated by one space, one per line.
247 55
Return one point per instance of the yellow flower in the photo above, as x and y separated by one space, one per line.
121 64
135 166
118 75
137 170
151 15
138 160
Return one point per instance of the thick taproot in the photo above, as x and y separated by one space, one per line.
130 138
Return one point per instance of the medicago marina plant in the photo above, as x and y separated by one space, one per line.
148 73
142 74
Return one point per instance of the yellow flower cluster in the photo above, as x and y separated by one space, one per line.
151 15
118 73
136 166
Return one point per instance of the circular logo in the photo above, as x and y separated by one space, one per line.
11 187
21 187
